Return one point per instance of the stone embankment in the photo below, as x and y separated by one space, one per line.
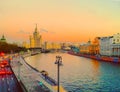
28 77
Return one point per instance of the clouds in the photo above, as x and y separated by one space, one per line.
43 30
46 31
23 32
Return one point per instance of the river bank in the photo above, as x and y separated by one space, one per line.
79 74
30 77
47 80
97 57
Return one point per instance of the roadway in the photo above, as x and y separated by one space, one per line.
8 82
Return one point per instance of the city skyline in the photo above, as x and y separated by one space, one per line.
68 20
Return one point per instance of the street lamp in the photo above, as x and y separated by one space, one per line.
59 63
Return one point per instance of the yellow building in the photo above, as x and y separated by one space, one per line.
26 45
32 43
90 48
85 48
36 39
95 47
52 45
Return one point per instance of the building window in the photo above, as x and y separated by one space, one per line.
113 42
117 40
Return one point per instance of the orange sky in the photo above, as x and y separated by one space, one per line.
65 20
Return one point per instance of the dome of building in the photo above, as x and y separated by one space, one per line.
3 39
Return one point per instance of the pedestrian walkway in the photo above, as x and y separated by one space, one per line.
28 76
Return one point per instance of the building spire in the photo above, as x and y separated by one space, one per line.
3 36
36 28
89 41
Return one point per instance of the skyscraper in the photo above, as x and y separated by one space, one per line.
36 39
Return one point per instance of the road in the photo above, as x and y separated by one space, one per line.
8 82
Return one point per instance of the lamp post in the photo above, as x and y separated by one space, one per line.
59 63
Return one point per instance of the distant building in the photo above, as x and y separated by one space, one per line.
92 48
25 44
36 39
95 47
51 45
110 46
105 45
66 45
85 48
3 39
32 42
116 38
116 45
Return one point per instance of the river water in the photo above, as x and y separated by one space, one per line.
79 74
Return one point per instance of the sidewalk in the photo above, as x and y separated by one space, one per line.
29 77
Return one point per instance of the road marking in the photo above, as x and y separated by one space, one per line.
8 89
7 82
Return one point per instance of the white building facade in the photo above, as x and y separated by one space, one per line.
106 45
116 45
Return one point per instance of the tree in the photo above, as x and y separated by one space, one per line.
7 48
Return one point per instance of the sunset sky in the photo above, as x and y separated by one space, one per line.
59 20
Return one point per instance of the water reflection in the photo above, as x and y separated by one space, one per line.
96 68
80 74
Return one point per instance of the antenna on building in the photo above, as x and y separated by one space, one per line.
36 28
36 25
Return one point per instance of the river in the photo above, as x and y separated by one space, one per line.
79 74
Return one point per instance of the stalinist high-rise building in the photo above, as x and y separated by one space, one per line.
36 39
